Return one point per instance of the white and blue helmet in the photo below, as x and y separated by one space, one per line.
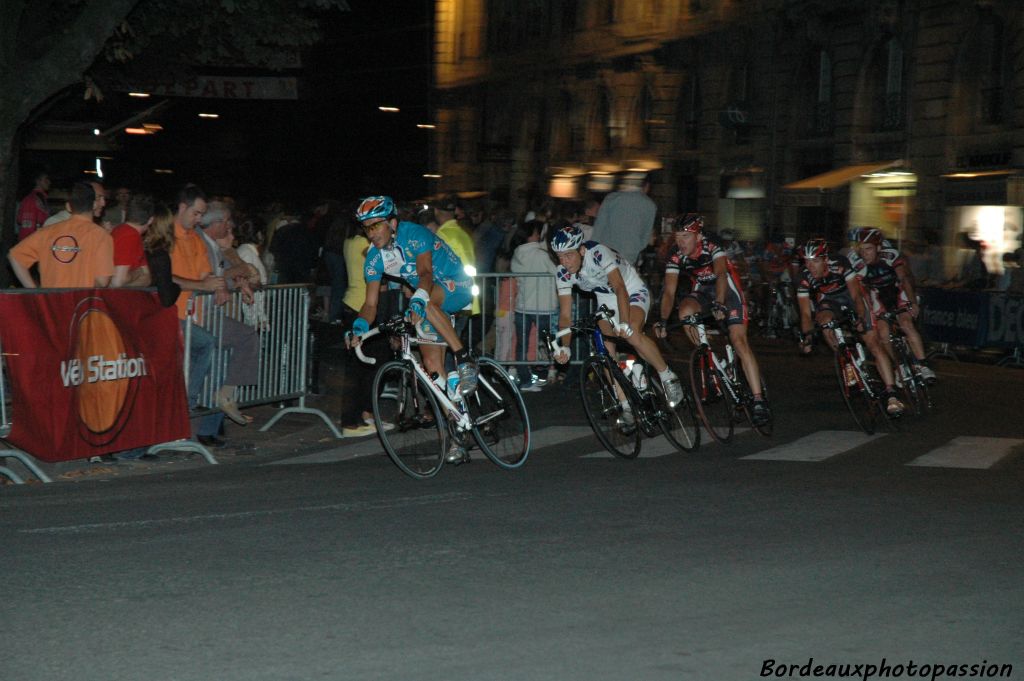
567 239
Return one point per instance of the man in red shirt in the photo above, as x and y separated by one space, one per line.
130 266
32 211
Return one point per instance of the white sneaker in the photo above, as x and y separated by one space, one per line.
927 374
893 406
360 431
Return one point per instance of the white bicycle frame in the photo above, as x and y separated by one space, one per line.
456 415
858 354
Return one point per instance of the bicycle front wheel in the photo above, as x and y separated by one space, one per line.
862 406
616 429
710 396
679 424
408 420
501 426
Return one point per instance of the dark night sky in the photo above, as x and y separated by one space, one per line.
331 142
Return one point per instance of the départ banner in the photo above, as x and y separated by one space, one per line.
92 371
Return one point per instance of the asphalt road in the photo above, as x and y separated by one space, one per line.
329 565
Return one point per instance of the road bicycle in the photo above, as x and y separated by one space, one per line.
418 416
862 391
720 390
911 384
604 387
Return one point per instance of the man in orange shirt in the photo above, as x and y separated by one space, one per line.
192 271
75 253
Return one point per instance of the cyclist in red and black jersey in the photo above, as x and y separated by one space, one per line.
886 274
716 289
836 291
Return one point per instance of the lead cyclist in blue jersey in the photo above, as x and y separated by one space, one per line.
412 254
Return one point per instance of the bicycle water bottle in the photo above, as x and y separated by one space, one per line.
860 354
453 386
638 377
730 362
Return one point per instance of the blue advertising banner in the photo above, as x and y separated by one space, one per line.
955 317
1005 324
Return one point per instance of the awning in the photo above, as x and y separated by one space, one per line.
840 177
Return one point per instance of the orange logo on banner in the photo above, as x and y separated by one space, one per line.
100 402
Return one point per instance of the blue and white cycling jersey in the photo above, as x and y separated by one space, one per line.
399 261
598 262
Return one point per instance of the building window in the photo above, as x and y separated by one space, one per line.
454 131
605 12
688 115
822 124
640 133
991 45
601 137
892 116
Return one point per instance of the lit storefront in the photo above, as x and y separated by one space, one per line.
877 194
983 206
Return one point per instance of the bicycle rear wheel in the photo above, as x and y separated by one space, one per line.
680 425
408 420
710 396
598 380
501 426
863 408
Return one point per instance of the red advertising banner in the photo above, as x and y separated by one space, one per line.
92 371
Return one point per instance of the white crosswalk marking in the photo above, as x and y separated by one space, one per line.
818 446
659 446
369 446
969 452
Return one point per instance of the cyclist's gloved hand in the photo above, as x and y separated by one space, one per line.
718 310
659 330
562 354
359 327
624 330
418 304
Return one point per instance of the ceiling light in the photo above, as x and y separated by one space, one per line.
163 171
426 126
389 109
96 131
432 176
153 127
209 115
138 94
138 131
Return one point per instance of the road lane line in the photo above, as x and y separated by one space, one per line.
816 447
398 502
969 452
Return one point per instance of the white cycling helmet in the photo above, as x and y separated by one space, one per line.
567 239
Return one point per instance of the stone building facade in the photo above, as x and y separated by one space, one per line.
769 116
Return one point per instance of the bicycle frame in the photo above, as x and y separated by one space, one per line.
458 416
858 355
726 368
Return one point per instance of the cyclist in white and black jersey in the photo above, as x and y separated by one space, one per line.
591 266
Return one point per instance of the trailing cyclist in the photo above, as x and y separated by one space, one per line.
716 290
411 254
591 266
886 274
836 290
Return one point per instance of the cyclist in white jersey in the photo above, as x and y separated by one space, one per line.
591 266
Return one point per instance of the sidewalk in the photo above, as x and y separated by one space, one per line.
293 435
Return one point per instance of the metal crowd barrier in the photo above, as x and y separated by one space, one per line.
5 429
280 317
497 331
